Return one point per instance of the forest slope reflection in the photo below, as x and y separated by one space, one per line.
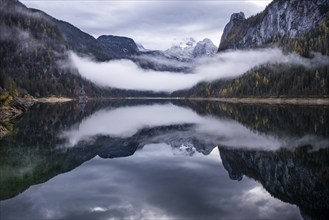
285 148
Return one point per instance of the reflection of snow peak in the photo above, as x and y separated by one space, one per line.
127 121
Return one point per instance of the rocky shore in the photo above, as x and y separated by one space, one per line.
7 113
18 106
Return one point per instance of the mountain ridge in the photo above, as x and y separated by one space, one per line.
279 19
278 80
33 44
188 49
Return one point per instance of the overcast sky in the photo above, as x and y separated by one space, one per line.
155 24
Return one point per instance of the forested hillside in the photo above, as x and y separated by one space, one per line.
280 80
31 49
33 52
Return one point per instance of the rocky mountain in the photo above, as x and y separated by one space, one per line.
182 49
178 58
300 27
104 48
188 49
34 45
280 19
204 48
235 20
118 47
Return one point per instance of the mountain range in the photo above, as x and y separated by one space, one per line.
189 49
34 44
280 19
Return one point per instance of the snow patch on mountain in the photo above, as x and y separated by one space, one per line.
188 49
204 48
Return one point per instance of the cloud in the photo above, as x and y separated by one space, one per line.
153 23
125 74
164 61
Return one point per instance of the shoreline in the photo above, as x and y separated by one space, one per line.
254 100
51 99
271 101
22 105
250 100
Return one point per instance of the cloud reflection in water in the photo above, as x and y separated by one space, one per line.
124 122
153 183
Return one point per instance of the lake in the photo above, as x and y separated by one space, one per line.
160 159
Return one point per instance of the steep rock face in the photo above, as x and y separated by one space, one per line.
236 19
204 48
119 47
281 18
297 177
188 49
182 50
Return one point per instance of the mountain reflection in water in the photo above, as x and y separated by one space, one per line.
169 164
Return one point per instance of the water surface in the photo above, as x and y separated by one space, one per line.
166 159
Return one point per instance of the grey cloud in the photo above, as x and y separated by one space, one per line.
153 23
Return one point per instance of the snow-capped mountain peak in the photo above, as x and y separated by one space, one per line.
184 43
188 48
204 48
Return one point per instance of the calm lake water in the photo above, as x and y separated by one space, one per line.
166 159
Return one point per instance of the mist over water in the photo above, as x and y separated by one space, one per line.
125 74
125 122
175 159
